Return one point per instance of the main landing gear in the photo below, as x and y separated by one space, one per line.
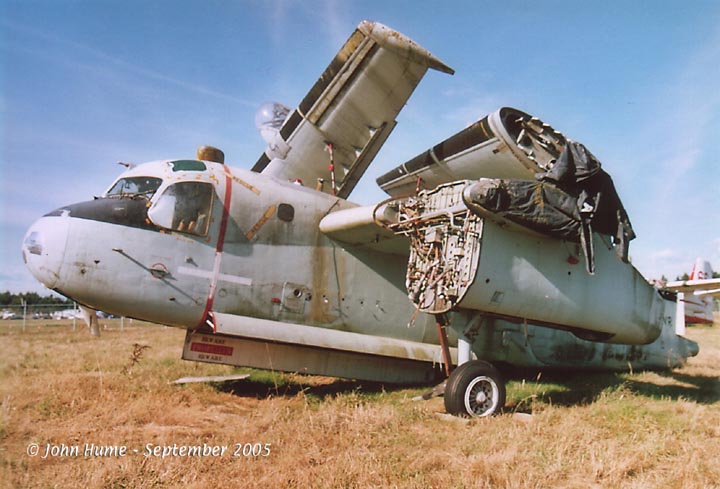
474 389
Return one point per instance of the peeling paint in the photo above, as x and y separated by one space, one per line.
245 184
261 222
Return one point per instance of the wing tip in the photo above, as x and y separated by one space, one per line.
394 40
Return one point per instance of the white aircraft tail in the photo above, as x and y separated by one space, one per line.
696 295
701 270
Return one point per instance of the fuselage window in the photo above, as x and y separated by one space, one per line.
134 186
286 212
184 207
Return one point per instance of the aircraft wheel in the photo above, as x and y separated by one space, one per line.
475 389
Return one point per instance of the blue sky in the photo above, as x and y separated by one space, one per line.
84 84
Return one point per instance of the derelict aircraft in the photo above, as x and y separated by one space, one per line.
697 293
504 244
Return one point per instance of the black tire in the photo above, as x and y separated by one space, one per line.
475 389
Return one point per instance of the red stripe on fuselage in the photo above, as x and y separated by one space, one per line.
219 246
226 210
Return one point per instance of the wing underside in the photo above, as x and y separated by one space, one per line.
336 131
703 287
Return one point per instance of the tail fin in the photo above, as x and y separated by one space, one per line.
699 304
701 270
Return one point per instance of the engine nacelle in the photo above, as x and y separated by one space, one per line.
460 259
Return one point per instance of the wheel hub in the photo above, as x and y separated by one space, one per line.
481 396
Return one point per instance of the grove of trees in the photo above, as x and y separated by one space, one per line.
8 298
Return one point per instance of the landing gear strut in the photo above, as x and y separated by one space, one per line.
475 389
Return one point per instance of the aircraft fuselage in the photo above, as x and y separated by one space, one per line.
262 256
210 247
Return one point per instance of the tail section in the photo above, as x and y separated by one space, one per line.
701 270
696 295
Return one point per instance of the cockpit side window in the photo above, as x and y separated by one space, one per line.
133 186
184 207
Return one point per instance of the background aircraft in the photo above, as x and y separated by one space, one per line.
274 268
698 293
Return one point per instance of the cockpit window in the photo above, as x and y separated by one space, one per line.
132 186
188 165
184 207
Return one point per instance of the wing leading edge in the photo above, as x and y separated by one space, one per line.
348 114
701 287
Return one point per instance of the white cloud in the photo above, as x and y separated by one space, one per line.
672 184
326 15
669 262
691 107
674 261
336 23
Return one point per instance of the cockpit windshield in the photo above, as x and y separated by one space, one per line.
134 186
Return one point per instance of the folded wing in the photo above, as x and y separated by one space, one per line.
333 136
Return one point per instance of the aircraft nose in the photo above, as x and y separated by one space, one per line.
43 248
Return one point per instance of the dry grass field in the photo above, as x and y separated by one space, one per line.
64 391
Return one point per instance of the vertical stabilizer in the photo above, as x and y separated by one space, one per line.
701 270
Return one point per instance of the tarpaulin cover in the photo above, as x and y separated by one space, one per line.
539 206
578 173
573 199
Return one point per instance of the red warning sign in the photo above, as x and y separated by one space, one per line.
211 349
